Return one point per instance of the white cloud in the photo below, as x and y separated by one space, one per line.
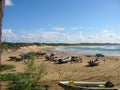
105 36
49 37
8 35
105 31
65 37
54 37
28 36
81 36
110 36
8 3
58 28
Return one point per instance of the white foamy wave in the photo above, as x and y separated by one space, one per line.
109 50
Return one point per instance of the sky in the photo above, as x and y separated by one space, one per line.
61 21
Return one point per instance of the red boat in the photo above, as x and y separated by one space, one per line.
94 62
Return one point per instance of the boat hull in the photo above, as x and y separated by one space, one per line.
84 86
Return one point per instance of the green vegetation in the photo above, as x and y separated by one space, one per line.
6 67
30 79
15 46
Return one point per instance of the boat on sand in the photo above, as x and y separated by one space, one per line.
94 62
79 85
62 60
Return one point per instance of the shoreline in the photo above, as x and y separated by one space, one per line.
107 70
84 51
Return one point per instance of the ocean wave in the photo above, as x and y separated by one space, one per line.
112 50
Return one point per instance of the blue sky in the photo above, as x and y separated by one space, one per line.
62 21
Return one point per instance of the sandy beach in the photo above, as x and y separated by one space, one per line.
108 69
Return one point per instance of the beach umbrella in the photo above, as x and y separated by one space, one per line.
2 4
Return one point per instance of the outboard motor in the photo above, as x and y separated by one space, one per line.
109 84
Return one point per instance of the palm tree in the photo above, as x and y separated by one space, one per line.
2 4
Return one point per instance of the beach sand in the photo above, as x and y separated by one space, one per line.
108 69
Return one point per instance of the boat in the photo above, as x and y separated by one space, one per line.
62 60
99 55
76 59
94 62
50 57
80 85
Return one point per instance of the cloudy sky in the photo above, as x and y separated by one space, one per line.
61 21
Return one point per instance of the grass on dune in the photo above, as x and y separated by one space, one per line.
7 67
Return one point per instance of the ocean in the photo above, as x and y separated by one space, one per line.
107 50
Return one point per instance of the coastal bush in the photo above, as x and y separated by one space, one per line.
30 79
6 67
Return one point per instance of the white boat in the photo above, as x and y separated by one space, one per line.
62 60
79 85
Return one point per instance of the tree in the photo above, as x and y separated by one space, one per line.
2 4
